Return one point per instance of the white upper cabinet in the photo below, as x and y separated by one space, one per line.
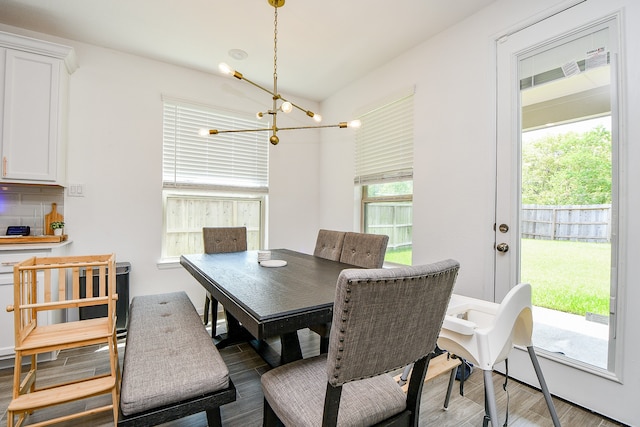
34 79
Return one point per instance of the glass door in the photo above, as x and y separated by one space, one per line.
557 192
566 193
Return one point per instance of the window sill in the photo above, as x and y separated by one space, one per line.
168 263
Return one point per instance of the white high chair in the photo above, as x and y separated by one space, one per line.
484 333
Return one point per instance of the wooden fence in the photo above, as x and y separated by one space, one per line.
393 219
582 223
186 215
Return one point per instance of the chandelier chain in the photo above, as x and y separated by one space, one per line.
275 44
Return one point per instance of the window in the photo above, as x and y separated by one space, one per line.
384 169
210 181
388 209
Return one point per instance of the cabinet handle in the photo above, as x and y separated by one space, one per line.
10 263
4 166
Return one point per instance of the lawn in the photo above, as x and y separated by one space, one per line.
567 276
399 256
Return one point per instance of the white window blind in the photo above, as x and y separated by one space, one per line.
237 160
384 143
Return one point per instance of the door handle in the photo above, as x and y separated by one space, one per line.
502 247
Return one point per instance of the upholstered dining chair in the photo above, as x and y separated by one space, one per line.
364 250
359 249
383 320
220 240
329 244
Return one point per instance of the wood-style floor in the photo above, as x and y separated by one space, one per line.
526 405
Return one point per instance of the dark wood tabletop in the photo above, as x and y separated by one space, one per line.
270 301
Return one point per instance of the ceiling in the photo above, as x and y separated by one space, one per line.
322 45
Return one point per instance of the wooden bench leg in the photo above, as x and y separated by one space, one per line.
213 417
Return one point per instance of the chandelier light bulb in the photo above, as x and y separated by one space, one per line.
355 124
203 132
259 115
317 118
225 68
286 107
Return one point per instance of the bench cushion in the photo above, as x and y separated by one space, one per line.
169 356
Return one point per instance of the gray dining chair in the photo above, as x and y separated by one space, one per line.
362 250
221 240
394 314
329 244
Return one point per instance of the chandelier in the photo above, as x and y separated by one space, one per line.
284 106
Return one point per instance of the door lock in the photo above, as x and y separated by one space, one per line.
502 247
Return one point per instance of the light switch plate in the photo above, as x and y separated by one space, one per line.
75 190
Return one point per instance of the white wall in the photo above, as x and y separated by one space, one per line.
454 171
454 142
115 150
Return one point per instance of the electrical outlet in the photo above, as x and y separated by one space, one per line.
75 190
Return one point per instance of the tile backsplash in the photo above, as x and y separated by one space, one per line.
27 205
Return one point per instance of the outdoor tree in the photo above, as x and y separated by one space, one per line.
568 169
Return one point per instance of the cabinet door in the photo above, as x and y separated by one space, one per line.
30 117
7 340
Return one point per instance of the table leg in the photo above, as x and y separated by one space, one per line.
290 347
236 333
289 350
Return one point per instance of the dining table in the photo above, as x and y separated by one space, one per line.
266 302
293 291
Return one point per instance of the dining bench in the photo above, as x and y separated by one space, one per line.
171 367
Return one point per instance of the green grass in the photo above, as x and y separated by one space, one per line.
572 277
567 276
399 256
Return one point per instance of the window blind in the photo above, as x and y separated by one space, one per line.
237 160
384 143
